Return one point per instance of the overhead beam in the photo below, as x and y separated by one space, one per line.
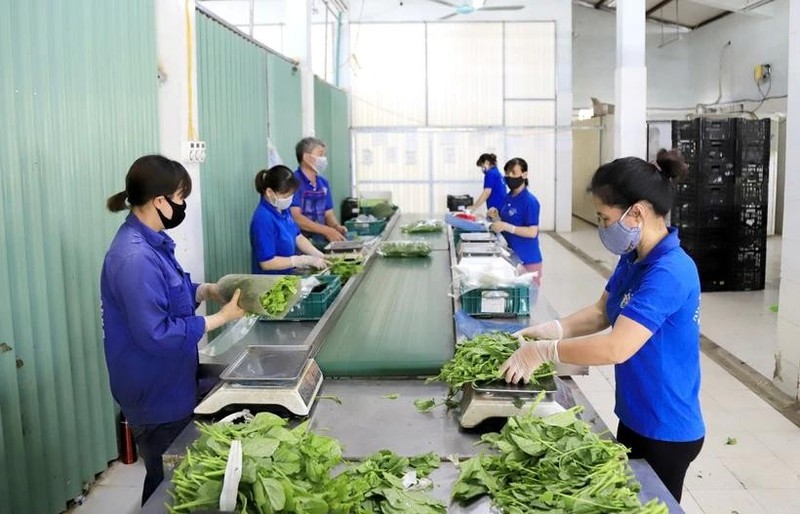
712 19
599 4
659 5
668 22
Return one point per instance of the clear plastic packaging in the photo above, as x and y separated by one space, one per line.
404 249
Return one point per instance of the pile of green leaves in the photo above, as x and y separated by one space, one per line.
423 227
276 300
554 464
290 471
345 268
405 249
478 360
376 486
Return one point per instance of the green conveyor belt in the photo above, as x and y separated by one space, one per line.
398 323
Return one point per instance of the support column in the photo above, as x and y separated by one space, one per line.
344 74
630 125
563 177
298 46
787 360
177 98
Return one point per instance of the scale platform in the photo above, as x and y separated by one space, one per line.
267 375
344 246
502 400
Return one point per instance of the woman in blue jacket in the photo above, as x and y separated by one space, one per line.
652 304
519 218
275 238
494 187
150 330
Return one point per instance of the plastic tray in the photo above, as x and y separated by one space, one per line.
267 364
497 302
365 228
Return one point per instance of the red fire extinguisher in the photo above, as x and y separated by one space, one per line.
126 446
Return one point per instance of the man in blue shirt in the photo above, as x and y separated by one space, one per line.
312 207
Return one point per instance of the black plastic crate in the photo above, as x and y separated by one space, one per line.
753 129
692 216
748 279
751 193
689 148
717 129
711 173
457 202
744 233
753 173
712 252
751 216
752 256
685 130
718 151
752 151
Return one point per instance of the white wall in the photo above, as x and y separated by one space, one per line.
685 72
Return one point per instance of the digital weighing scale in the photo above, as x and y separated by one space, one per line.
267 375
478 237
502 400
344 246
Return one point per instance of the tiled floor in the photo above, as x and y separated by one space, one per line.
758 474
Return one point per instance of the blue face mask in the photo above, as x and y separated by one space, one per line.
618 238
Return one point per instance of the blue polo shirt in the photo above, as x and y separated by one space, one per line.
522 211
150 331
658 388
312 200
494 180
272 234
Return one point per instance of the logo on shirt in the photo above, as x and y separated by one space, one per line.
512 211
626 299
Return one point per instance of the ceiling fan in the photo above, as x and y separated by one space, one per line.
470 6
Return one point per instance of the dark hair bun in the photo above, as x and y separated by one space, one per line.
671 164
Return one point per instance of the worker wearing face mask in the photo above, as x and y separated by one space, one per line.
494 187
275 238
312 207
652 305
519 218
150 329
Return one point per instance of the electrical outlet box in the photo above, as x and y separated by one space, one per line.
762 72
194 151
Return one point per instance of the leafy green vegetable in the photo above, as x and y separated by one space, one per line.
345 268
423 227
376 486
392 396
291 471
479 359
276 300
552 464
405 249
731 441
424 406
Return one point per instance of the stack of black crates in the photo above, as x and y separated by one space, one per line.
721 206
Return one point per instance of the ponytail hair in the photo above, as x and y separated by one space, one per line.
492 158
278 178
117 202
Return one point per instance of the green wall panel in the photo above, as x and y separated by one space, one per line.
232 110
332 125
285 107
78 103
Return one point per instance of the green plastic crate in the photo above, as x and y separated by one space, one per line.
314 305
365 228
498 302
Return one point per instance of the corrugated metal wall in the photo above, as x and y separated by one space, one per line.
285 107
332 125
232 110
78 97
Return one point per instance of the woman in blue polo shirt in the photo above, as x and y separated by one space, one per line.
494 187
519 218
150 330
652 303
274 236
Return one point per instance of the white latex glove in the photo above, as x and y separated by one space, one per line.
549 330
529 356
308 261
492 214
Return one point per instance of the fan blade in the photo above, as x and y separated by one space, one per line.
448 16
506 8
448 4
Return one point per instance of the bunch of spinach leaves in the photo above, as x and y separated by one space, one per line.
276 300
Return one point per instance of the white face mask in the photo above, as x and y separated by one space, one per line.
320 164
282 203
